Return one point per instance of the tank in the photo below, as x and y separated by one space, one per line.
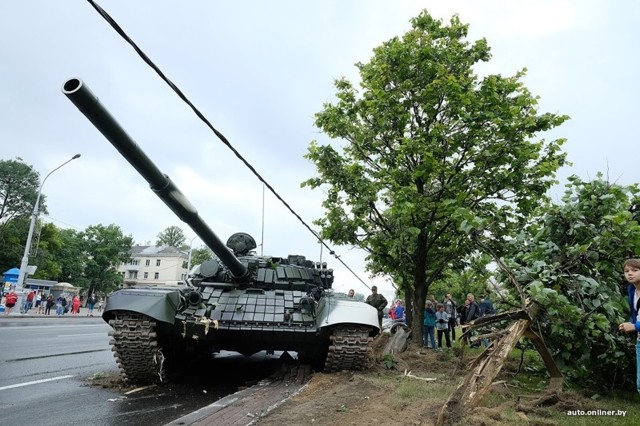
237 302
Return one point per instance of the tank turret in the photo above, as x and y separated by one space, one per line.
244 303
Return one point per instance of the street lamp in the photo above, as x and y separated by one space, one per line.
189 261
34 218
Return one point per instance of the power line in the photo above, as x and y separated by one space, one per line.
220 136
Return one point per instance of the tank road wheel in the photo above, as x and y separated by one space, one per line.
136 349
349 348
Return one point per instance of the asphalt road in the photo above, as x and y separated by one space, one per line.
46 366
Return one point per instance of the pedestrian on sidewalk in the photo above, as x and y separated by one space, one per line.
91 302
49 304
10 302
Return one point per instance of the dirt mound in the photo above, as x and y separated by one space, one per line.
410 388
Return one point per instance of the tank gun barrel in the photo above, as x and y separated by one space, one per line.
80 95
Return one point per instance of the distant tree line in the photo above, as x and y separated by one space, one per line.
88 259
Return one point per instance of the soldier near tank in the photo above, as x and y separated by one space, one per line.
377 301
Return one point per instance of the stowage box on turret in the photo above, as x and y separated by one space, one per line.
239 302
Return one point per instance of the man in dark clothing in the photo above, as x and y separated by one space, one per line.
473 312
486 307
378 301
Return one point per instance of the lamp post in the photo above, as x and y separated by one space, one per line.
34 218
189 261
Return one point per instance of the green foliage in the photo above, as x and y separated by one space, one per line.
199 255
459 282
389 362
428 146
71 257
46 246
570 261
104 248
172 236
19 184
342 408
12 239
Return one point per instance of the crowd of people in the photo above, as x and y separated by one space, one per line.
43 303
443 318
440 318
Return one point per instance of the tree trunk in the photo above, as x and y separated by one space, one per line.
482 373
418 315
555 383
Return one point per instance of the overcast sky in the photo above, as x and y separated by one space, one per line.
259 71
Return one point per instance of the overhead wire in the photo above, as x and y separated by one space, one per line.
220 136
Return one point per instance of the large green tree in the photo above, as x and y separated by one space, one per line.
570 261
44 256
428 142
19 184
104 248
172 236
12 239
72 258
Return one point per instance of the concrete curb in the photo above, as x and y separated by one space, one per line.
244 407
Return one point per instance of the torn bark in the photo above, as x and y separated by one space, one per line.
484 369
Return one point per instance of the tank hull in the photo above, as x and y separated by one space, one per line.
246 321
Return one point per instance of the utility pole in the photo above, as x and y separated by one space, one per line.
32 225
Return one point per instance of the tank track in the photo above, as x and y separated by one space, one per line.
349 348
135 348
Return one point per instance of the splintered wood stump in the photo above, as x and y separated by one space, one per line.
483 371
398 342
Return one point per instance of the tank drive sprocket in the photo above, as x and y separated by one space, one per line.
349 348
135 346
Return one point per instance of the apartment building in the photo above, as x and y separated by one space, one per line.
154 266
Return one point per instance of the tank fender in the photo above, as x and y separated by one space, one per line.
160 304
333 311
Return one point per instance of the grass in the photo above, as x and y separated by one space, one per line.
498 406
98 376
574 409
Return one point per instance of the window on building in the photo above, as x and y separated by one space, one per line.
146 275
148 262
133 274
157 262
156 275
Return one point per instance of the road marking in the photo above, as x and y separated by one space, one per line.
55 355
85 334
35 382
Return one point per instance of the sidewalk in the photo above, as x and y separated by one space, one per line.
15 313
247 406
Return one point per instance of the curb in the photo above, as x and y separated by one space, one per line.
244 407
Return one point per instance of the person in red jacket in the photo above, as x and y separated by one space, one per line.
10 302
75 305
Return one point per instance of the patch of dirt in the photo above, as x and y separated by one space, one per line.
111 380
378 395
399 395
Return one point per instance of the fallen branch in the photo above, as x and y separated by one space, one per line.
426 379
138 389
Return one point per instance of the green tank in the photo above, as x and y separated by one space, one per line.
238 302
